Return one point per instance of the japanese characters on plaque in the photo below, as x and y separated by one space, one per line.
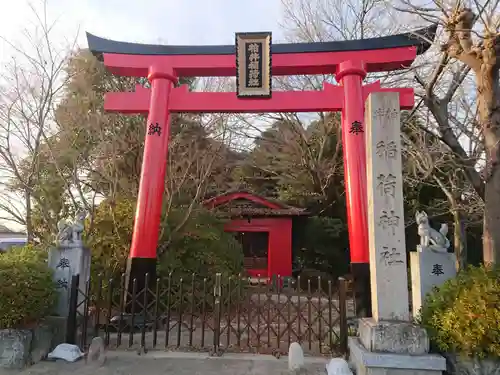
253 62
386 185
389 280
62 282
388 220
387 151
390 256
386 114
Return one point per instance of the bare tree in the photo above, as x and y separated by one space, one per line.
312 21
31 85
429 162
326 20
298 165
198 163
463 94
458 80
104 150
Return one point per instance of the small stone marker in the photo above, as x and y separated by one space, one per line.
338 366
295 357
70 258
429 269
386 230
66 263
96 354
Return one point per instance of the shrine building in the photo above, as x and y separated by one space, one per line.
263 227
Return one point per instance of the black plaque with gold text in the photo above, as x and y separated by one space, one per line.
253 65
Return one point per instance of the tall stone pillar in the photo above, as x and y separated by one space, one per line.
389 343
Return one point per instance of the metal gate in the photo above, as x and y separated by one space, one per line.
214 314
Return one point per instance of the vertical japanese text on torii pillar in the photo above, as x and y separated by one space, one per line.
154 129
356 128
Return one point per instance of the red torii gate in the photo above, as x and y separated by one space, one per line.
350 61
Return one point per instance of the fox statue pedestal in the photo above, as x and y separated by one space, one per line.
431 265
429 268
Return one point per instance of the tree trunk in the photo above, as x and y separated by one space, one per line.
29 217
459 239
491 230
488 105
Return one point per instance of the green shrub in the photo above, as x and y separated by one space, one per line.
197 244
200 247
463 315
27 290
109 237
27 253
318 246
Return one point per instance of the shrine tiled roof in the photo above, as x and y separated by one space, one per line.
257 211
244 204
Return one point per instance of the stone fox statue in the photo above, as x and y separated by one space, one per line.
70 231
430 237
65 231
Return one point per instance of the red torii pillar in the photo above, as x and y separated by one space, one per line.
142 257
349 61
351 74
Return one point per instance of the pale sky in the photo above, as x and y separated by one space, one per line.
171 21
188 22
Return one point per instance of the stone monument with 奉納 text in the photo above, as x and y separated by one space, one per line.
70 258
431 265
429 269
388 343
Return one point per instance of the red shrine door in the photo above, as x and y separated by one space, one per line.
250 60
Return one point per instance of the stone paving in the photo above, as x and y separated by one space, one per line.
169 363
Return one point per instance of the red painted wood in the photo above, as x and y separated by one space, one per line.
351 75
330 99
282 64
225 198
152 182
279 252
350 69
